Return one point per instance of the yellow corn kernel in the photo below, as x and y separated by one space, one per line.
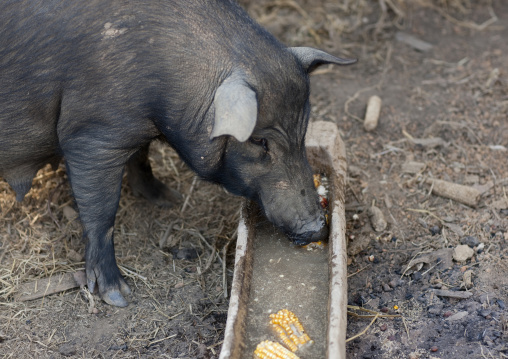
272 350
286 324
317 180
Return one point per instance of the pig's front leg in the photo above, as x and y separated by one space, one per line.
143 182
95 175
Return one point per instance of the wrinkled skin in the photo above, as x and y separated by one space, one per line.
94 82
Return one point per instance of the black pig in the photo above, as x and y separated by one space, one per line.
96 81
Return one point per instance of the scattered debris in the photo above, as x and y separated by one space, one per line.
462 253
357 244
412 167
441 258
185 253
463 194
431 142
468 279
471 241
46 286
457 316
377 219
372 113
74 256
70 213
452 294
413 41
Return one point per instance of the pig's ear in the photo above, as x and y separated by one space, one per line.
311 58
236 110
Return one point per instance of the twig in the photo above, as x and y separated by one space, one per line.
364 330
358 271
189 195
426 212
132 273
160 340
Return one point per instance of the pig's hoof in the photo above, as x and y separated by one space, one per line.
156 192
111 290
114 297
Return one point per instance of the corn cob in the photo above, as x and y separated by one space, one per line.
272 350
286 324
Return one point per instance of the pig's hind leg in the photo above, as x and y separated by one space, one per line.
143 182
96 177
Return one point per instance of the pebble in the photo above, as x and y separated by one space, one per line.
383 327
501 304
480 248
393 283
70 213
486 313
435 230
185 253
447 314
462 252
387 288
434 349
457 316
471 241
67 349
74 256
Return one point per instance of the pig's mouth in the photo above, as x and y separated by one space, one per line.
302 239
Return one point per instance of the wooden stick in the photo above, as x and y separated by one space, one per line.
372 113
457 192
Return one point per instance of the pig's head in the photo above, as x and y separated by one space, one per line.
262 119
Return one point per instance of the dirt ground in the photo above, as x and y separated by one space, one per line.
444 116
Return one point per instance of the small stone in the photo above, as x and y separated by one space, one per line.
434 310
471 241
185 253
485 313
468 279
434 349
480 247
393 283
447 314
70 213
417 276
377 219
384 310
383 327
462 252
67 349
501 304
435 230
74 256
457 316
387 288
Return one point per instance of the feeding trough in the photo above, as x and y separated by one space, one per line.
271 273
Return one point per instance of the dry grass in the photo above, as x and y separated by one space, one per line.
37 238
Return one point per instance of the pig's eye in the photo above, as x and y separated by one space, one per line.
260 142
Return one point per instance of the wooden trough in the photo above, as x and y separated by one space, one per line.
272 274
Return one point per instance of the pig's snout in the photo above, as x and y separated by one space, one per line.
313 232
